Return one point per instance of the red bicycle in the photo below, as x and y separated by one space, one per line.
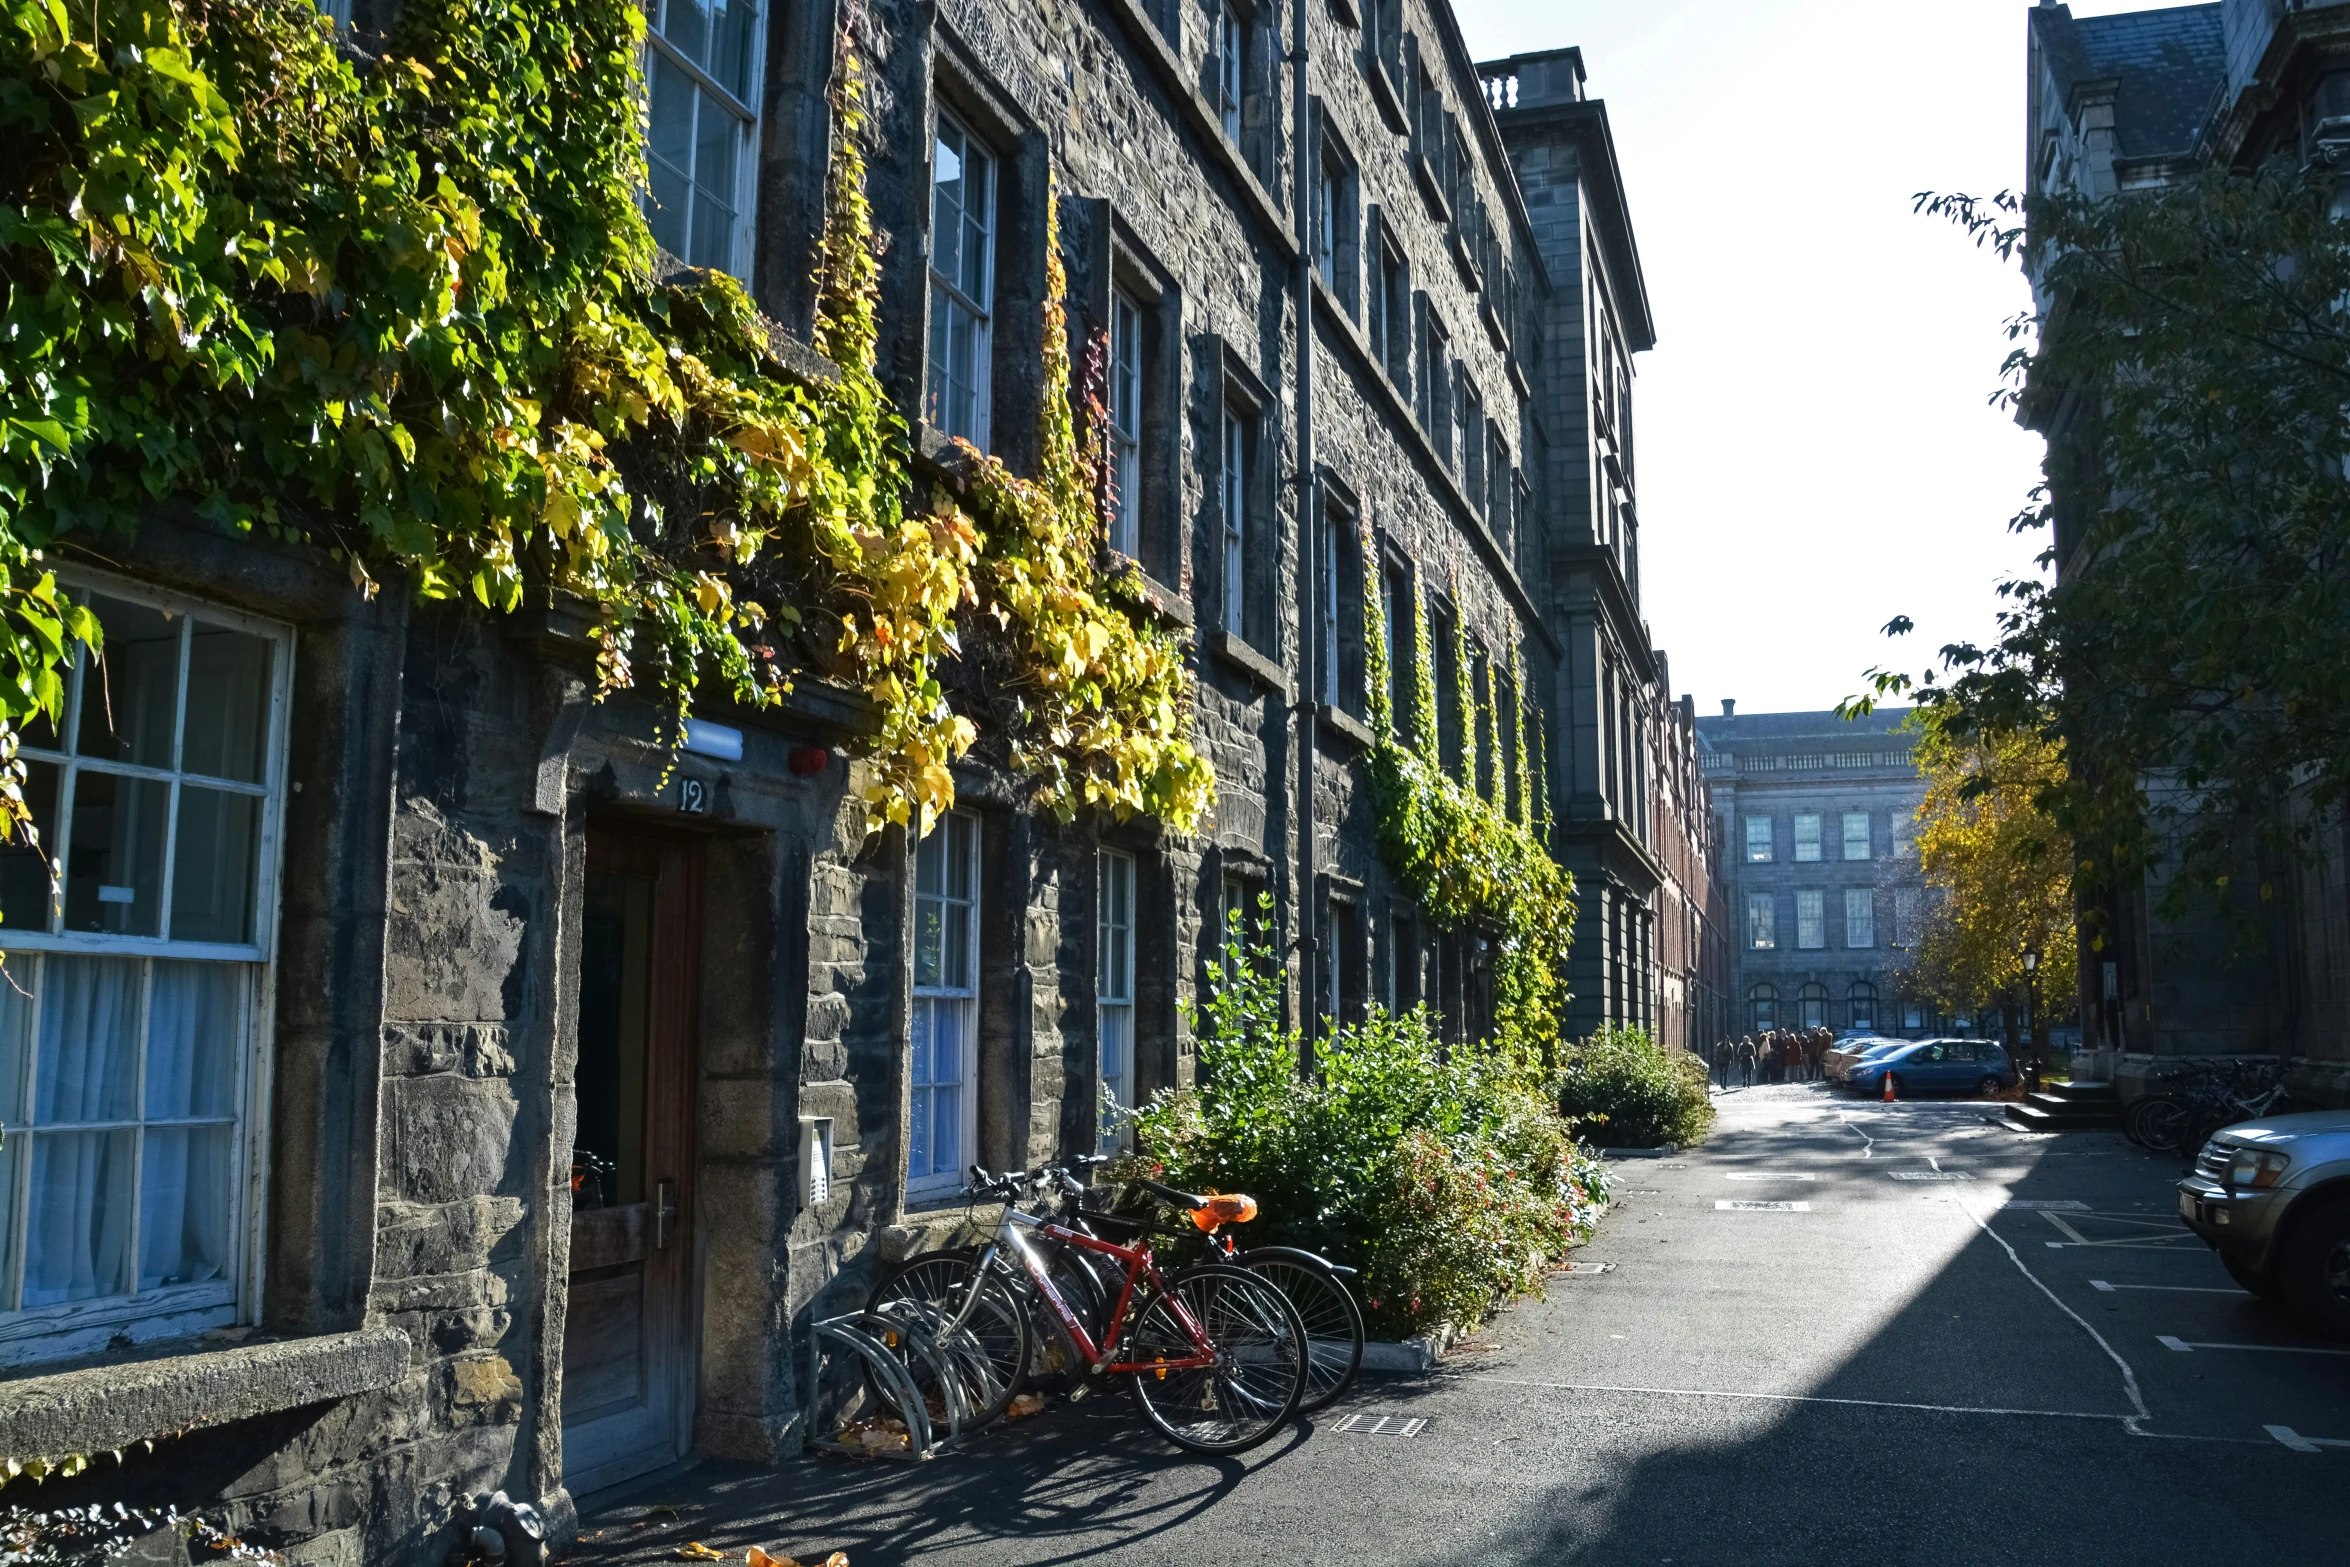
1215 1358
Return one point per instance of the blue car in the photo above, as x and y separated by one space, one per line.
1931 1066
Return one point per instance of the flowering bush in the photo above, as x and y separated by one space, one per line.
1634 1092
1449 1184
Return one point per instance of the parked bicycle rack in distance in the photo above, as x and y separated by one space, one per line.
858 1333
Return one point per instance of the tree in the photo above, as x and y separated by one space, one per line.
2002 866
2190 362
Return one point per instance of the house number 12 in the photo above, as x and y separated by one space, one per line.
693 796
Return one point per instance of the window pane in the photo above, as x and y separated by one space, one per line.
88 1057
731 34
128 695
195 1018
1856 835
961 830
946 202
670 150
946 1131
686 23
1758 838
717 136
1811 920
214 866
114 871
929 934
955 969
978 219
78 1224
1761 920
1807 837
228 704
1860 917
187 1205
24 871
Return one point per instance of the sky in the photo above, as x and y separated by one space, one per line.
1816 453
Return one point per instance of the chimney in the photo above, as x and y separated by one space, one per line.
1729 707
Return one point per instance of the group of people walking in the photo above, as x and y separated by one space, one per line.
1780 1055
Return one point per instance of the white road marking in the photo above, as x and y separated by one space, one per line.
2189 1346
2304 1444
1930 1175
2042 1205
1784 1175
1726 1204
2074 1235
1801 1398
2173 1289
2129 1376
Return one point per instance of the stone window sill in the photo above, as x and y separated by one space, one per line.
1345 726
101 1408
1234 651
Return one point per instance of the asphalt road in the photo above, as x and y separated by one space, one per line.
1961 1345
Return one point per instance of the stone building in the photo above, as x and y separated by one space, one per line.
2133 102
518 1084
1816 815
1692 972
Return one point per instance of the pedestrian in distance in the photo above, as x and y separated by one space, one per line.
1746 1061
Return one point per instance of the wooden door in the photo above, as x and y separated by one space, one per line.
628 1332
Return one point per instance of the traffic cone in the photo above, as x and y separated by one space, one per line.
1888 1088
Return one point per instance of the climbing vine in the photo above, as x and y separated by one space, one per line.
1461 855
405 312
1100 701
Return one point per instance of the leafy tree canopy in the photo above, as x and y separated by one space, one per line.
2190 360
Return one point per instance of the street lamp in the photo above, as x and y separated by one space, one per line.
2031 1011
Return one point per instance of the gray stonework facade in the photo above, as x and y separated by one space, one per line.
544 1015
2134 102
1820 873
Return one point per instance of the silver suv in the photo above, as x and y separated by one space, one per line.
2272 1197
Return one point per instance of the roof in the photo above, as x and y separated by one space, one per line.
1735 733
2168 67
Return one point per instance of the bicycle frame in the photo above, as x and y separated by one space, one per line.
1140 1266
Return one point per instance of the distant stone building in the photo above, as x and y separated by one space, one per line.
1816 816
1692 967
481 1093
2133 102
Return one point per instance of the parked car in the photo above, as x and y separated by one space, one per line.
2272 1197
1959 1066
1849 1048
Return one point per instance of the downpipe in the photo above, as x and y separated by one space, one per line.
1302 180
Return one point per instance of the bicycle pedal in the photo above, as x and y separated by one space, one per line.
1077 1393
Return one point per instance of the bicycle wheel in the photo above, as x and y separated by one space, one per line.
1260 1366
2134 1118
1333 1322
992 1356
2162 1123
1052 1357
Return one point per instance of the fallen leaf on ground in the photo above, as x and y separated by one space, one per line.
696 1551
759 1558
1025 1405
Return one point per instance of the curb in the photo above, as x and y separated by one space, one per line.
1665 1152
1413 1354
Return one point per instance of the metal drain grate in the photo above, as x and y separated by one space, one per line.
1381 1425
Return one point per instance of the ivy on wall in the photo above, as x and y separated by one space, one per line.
405 312
1468 862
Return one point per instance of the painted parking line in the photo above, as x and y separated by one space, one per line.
2189 1346
1733 1205
1931 1175
2305 1444
2042 1205
1784 1175
2167 1234
2173 1289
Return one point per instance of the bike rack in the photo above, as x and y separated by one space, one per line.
868 1336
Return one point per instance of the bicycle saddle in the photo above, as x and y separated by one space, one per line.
1221 1208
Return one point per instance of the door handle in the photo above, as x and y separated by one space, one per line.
664 1210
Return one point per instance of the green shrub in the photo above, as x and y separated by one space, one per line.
1632 1091
1449 1183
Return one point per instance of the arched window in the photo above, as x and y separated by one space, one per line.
1762 1006
1863 999
1813 1002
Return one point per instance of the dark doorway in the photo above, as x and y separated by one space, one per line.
628 1339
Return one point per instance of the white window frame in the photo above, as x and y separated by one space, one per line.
1113 1001
1811 919
1857 833
1235 507
1860 917
1762 922
72 1328
1231 61
1760 835
1126 387
1807 837
960 1002
740 109
947 296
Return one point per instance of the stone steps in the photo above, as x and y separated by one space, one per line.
2068 1107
